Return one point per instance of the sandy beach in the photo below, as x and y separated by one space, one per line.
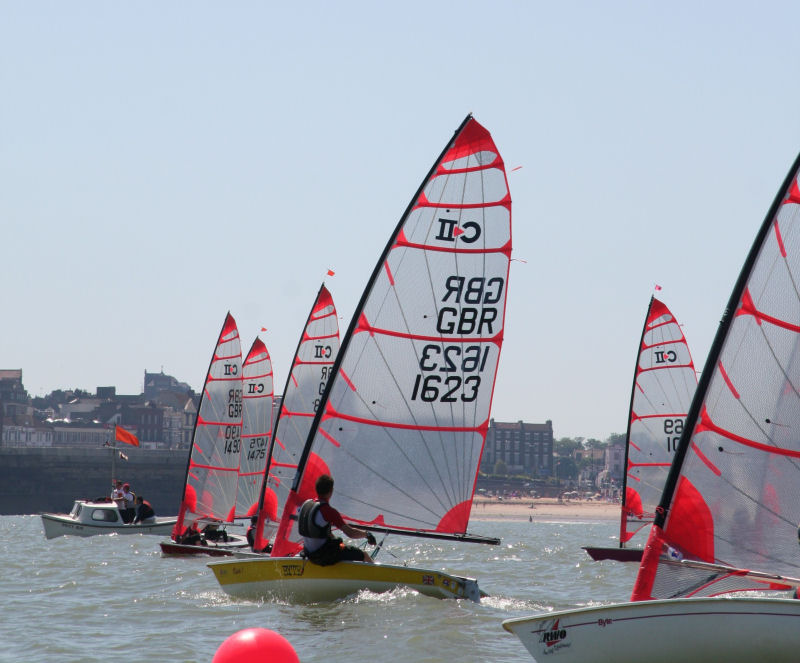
542 509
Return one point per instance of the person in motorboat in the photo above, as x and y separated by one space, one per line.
128 508
116 494
144 512
315 520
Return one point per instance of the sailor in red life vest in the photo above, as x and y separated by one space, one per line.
314 523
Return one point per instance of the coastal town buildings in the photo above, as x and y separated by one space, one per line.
163 417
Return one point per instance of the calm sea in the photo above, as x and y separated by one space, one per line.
108 598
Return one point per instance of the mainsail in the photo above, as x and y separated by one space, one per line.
257 397
728 517
212 473
663 385
311 368
403 420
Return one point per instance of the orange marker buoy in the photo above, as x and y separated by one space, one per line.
255 645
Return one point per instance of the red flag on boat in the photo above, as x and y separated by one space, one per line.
331 272
124 436
658 287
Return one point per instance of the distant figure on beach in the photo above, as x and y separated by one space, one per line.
314 523
144 512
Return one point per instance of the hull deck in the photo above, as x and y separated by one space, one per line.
734 630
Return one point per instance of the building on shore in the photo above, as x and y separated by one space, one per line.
524 448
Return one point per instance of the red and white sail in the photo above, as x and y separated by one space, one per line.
257 397
732 498
312 367
663 385
212 474
405 415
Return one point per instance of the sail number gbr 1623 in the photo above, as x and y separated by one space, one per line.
437 359
451 372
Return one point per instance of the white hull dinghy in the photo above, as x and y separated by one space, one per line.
89 518
733 630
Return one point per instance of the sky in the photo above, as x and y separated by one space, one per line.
162 164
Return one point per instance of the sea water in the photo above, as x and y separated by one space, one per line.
108 598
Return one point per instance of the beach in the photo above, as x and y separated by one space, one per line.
542 509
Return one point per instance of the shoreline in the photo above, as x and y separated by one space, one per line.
542 509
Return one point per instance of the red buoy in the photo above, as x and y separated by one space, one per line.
255 645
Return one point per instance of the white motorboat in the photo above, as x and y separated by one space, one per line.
89 518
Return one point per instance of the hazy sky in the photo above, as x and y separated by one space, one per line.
162 163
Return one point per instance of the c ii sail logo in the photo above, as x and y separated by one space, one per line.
553 636
665 357
467 232
322 352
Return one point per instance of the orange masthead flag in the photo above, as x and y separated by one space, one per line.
124 436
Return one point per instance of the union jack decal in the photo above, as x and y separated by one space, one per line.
427 580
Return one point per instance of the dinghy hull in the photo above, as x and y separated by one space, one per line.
298 580
734 630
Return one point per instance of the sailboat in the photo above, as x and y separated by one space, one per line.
403 419
664 382
312 366
212 472
257 397
727 519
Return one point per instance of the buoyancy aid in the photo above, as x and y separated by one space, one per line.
306 521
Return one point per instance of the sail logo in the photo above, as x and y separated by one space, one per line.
665 357
231 369
468 232
554 636
255 387
322 352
